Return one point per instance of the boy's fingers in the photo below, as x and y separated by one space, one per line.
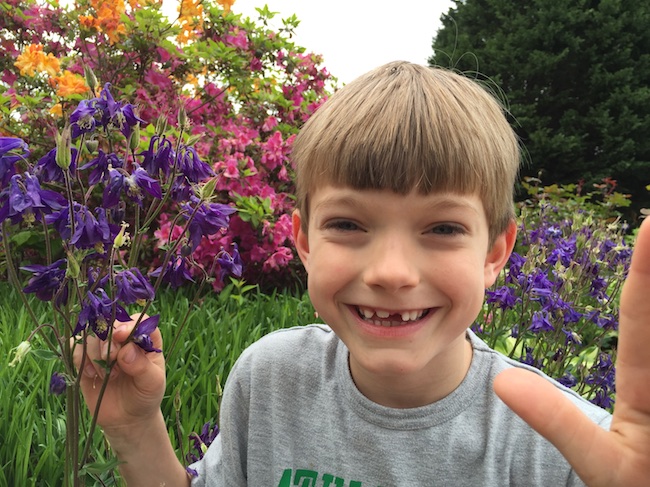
147 375
545 408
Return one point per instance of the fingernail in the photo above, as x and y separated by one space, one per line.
129 355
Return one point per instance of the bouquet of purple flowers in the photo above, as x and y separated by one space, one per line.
92 201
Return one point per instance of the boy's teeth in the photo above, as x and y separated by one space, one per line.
379 315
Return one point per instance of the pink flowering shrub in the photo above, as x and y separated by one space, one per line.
246 89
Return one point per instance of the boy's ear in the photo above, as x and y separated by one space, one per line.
300 238
499 254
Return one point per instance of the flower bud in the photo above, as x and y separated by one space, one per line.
20 352
161 125
73 270
134 140
182 118
91 145
91 79
63 144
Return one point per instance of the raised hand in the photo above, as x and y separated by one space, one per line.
136 383
620 456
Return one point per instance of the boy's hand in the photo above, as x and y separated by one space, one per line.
136 384
621 456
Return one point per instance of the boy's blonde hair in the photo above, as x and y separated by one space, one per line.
402 127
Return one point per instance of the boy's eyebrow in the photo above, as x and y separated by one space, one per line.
447 202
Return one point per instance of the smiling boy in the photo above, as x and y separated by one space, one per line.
404 216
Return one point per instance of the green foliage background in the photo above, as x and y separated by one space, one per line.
576 77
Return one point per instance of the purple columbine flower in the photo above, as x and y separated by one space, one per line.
504 297
100 166
207 220
57 384
540 322
82 120
132 286
90 231
47 280
25 199
202 441
142 334
115 114
8 161
191 166
230 264
113 189
49 171
159 157
140 181
97 312
176 273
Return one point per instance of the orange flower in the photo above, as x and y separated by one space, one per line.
226 4
70 83
34 59
190 19
107 19
57 110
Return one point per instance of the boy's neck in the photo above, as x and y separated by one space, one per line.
441 377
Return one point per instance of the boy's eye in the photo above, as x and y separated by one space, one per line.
342 225
448 229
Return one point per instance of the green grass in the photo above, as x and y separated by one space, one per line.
220 327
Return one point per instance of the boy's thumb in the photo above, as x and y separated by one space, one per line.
133 361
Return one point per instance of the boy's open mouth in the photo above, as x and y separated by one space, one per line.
390 318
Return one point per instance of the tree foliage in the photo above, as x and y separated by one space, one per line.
244 85
576 77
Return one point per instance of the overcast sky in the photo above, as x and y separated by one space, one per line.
355 36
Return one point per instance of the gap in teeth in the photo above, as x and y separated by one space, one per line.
376 316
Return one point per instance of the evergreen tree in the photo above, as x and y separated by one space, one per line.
575 76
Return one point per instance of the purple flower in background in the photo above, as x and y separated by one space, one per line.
202 441
115 114
141 181
568 381
159 157
132 286
142 334
504 297
47 280
540 322
191 166
90 231
207 220
97 312
113 189
25 200
48 170
82 120
230 264
100 166
57 384
7 160
175 274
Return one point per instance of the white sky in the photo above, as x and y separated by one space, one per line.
355 36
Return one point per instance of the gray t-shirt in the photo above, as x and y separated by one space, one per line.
292 416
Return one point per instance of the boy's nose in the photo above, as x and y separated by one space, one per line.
391 265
